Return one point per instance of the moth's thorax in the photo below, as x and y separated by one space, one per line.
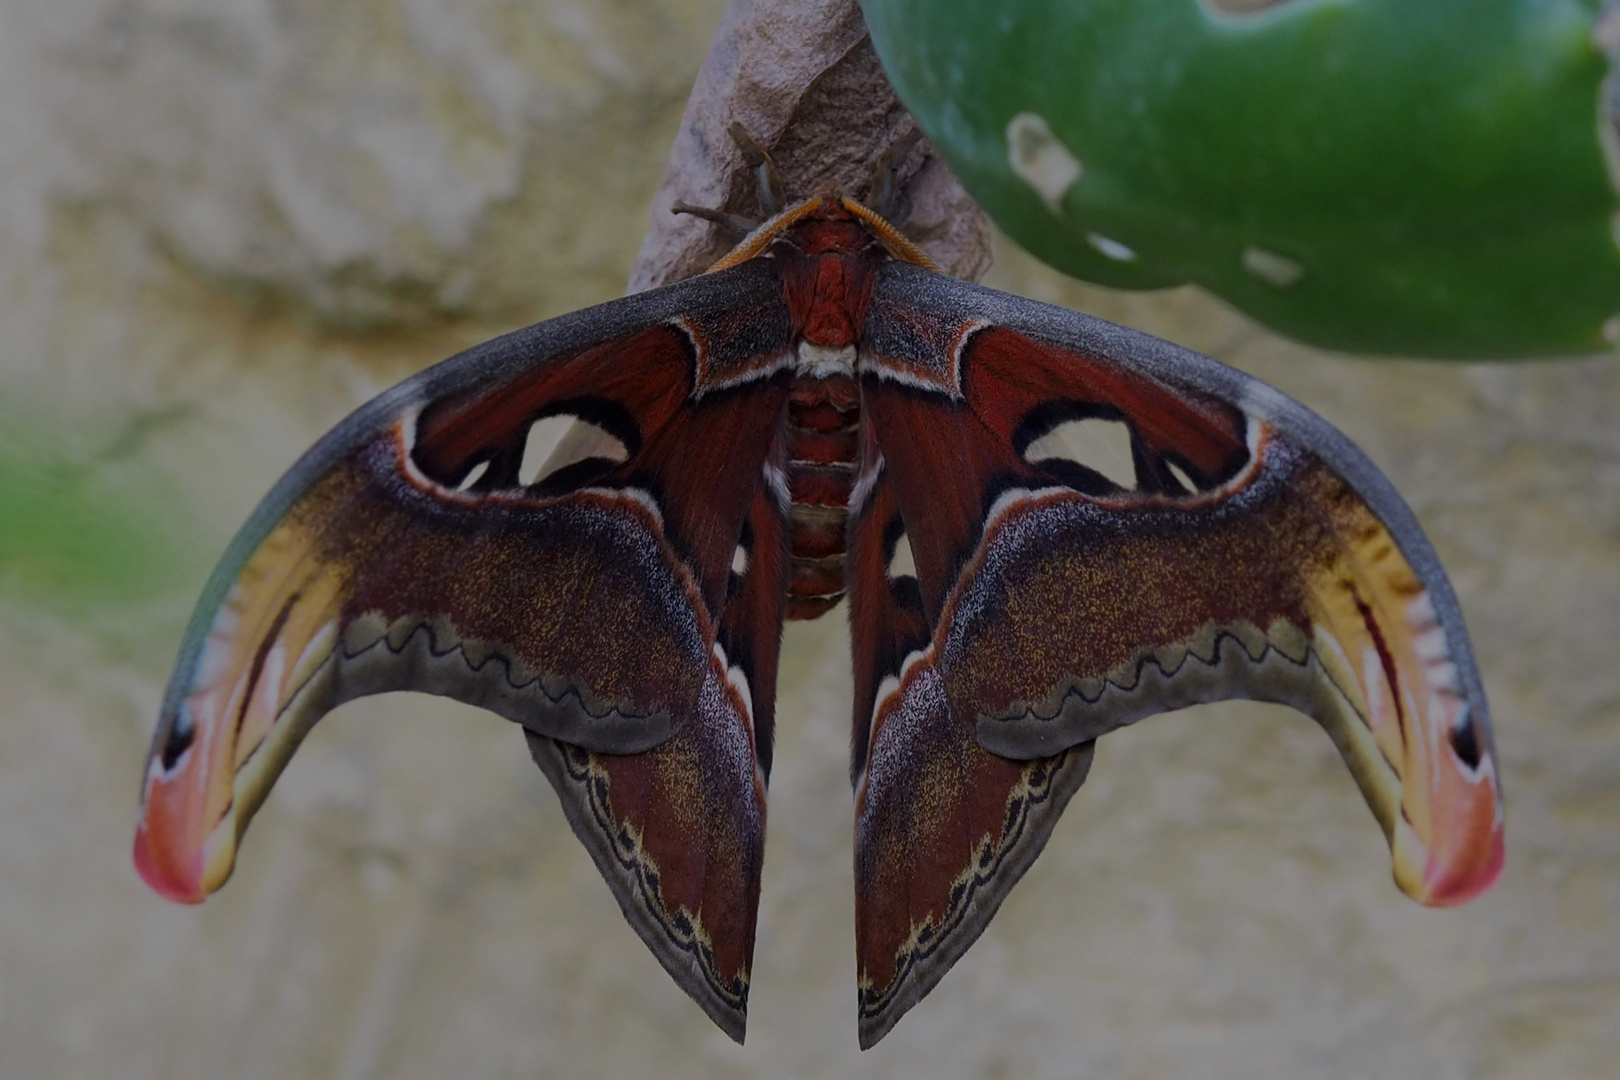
828 263
828 294
829 251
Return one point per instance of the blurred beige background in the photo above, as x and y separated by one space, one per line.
225 224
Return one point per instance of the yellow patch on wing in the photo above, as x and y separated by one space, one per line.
1383 647
264 655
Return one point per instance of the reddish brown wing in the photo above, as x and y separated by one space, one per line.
1061 527
617 593
680 829
943 827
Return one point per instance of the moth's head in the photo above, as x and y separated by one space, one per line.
828 225
828 228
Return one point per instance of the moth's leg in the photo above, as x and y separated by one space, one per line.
772 196
887 196
735 222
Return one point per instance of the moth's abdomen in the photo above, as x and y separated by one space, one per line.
822 429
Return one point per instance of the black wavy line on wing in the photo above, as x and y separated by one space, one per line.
1214 662
572 697
572 691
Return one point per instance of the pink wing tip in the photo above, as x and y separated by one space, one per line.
1457 881
166 873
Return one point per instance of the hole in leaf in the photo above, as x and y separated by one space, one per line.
1037 157
1278 271
1241 7
1611 330
1112 248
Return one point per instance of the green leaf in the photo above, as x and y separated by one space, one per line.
1373 175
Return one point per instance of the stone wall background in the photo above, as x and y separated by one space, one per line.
225 223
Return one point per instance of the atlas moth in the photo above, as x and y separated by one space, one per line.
1046 526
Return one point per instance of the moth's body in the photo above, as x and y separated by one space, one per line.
821 442
827 260
828 252
825 414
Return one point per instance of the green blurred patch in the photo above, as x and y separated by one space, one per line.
86 531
